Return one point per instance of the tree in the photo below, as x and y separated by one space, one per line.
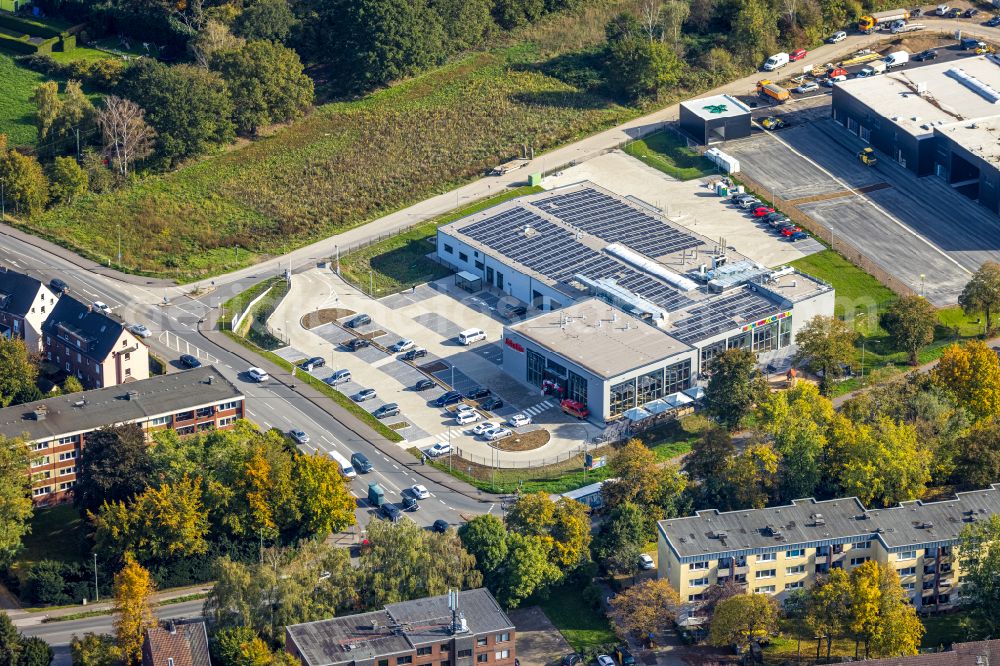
706 466
10 641
532 514
982 293
266 82
672 16
880 615
93 650
17 370
214 38
467 23
743 618
24 181
327 505
76 117
910 321
622 536
529 569
641 479
643 67
35 652
797 421
114 466
734 387
127 137
978 462
45 97
133 591
266 19
100 177
241 646
825 345
754 30
67 180
751 475
71 385
485 537
15 496
648 608
972 375
980 547
570 534
828 607
517 13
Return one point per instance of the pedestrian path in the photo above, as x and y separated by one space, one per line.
537 409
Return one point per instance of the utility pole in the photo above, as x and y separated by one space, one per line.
3 204
97 590
77 145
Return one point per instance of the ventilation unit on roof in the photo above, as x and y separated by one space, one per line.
818 519
649 266
981 88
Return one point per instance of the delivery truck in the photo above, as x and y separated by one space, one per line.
872 69
771 90
896 59
877 20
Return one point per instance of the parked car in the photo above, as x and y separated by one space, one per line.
491 403
449 398
571 660
646 562
971 12
788 231
772 123
807 87
830 80
402 345
485 426
836 37
419 491
339 377
624 657
499 433
102 306
761 211
519 420
364 394
315 362
514 311
797 54
424 384
748 203
929 54
438 449
916 12
467 417
388 409
299 435
798 235
390 512
477 393
359 320
358 343
771 217
140 330
257 374
189 361
414 354
942 10
440 525
58 286
954 12
993 22
410 503
605 660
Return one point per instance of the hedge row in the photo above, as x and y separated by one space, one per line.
26 26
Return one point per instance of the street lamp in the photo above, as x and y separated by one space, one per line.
922 277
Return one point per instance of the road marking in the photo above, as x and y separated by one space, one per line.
385 459
395 466
383 361
490 510
442 502
268 425
323 437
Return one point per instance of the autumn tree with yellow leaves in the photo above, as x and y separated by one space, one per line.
644 609
133 608
972 375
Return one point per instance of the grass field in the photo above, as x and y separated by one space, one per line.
400 262
80 53
16 109
583 627
57 533
666 152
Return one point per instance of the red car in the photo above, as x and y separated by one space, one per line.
797 54
574 408
788 231
761 211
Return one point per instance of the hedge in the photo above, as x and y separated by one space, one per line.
15 45
26 26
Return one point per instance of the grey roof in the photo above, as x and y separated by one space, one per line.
708 534
72 321
399 628
17 292
136 401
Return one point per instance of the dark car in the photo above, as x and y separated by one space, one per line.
993 22
360 320
361 463
954 13
798 235
315 361
414 354
449 398
390 409
929 54
424 384
390 512
969 43
491 403
970 12
478 392
773 216
359 343
512 311
59 286
189 361
440 525
623 656
571 660
410 503
917 11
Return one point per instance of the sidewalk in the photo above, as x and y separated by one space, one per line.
23 618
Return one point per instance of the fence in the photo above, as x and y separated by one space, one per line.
238 318
487 461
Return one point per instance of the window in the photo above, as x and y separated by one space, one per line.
785 329
445 647
228 420
207 425
226 406
907 555
909 586
536 368
128 355
699 582
38 492
766 557
128 371
801 568
449 249
184 416
481 641
797 585
622 397
463 257
43 460
765 573
38 446
445 663
186 430
855 561
908 571
696 597
408 659
798 552
709 352
576 388
170 661
764 589
479 265
72 439
67 470
503 638
159 420
383 662
464 653
66 485
677 377
482 658
68 455
427 649
695 566
650 386
863 545
203 412
502 654
765 337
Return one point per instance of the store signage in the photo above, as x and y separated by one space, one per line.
766 321
514 345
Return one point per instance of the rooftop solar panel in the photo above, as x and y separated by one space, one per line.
722 314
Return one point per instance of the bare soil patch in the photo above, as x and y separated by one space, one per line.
325 316
528 441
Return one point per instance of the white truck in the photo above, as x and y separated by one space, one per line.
899 27
873 69
777 61
896 58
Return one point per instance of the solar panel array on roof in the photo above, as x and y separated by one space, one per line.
722 314
551 250
614 221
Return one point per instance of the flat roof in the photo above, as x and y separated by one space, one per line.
957 91
136 401
807 521
600 337
716 106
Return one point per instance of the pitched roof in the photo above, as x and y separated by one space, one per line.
90 331
977 653
17 292
176 643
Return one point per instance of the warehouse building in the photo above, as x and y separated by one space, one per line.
784 548
633 307
941 119
714 119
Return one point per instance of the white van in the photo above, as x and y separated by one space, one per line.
471 335
896 59
777 61
345 466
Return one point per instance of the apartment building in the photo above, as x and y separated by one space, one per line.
94 347
779 549
56 428
459 629
24 305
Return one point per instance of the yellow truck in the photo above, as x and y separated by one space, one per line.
767 88
880 20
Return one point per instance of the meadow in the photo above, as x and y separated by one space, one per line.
16 109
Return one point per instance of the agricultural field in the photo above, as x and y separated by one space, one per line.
16 108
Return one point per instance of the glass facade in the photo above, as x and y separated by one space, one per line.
650 387
536 368
711 351
765 338
622 398
678 377
785 329
576 388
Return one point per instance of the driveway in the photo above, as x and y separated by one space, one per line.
539 643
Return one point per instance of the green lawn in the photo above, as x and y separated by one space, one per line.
586 629
400 262
57 533
81 53
943 630
16 109
663 150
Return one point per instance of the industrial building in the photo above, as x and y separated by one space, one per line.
779 549
715 119
633 306
941 119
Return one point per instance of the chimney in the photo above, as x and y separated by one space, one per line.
171 627
41 412
132 395
211 378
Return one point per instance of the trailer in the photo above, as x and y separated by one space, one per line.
872 22
507 167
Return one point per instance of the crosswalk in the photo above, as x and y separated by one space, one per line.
537 409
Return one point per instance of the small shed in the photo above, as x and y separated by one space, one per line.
469 282
714 119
